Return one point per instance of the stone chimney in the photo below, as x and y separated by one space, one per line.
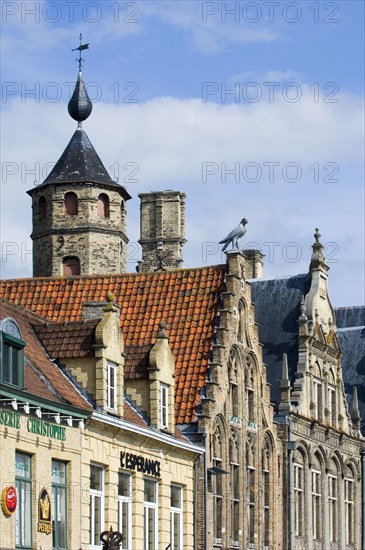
162 228
254 263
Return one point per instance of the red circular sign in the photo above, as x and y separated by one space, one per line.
9 500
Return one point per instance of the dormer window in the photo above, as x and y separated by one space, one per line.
164 395
12 355
112 387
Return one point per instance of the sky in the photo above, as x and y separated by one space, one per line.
254 109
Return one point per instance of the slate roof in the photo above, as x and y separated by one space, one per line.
80 163
42 378
350 316
277 308
351 336
187 300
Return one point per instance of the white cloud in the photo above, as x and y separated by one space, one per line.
169 139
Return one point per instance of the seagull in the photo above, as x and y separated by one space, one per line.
234 235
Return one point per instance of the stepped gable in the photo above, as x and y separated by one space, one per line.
277 308
187 300
42 378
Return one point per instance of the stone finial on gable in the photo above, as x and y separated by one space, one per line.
318 307
161 354
355 413
284 405
317 259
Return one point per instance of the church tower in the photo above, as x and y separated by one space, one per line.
79 214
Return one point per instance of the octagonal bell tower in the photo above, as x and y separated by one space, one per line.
79 213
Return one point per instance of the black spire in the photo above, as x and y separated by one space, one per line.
80 105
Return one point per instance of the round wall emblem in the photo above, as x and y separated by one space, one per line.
8 500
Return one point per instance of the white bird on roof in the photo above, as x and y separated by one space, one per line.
234 235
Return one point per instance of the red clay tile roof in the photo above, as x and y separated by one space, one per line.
137 361
68 339
41 377
186 299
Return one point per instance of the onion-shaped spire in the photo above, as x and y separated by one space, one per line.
80 106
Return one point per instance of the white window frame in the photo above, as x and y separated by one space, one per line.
147 505
23 512
177 511
332 506
317 504
251 505
94 494
235 502
349 510
332 404
164 402
126 501
317 398
298 499
112 386
217 489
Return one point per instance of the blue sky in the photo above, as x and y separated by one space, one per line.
284 150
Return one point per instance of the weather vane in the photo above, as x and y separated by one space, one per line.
80 48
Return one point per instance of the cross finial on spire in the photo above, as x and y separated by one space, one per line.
80 48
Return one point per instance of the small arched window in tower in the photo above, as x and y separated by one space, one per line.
42 207
71 266
71 204
103 206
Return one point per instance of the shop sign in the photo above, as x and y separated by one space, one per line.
44 512
10 419
134 462
8 500
46 429
34 426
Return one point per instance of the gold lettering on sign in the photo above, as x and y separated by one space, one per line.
44 512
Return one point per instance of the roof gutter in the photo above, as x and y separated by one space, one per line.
147 432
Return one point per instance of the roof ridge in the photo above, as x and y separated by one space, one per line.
115 275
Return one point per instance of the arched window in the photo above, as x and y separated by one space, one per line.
103 209
299 493
217 484
71 266
266 483
333 501
241 323
251 491
349 494
42 205
317 497
71 204
235 415
317 393
250 393
332 400
235 486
